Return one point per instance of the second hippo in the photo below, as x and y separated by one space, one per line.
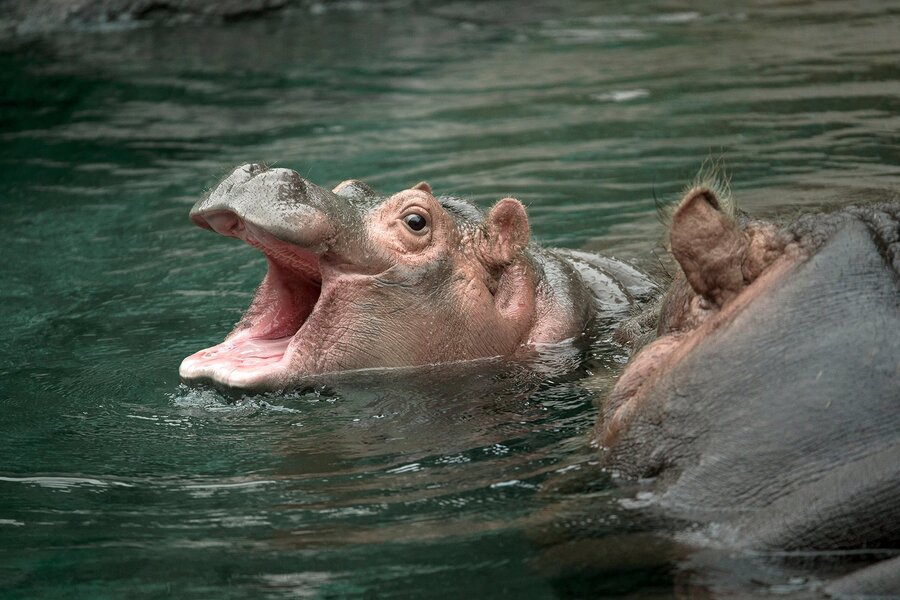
765 410
356 280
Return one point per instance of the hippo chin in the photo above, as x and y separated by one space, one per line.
768 402
356 280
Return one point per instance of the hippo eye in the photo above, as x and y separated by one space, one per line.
416 222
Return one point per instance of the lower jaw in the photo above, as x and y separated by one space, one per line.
241 362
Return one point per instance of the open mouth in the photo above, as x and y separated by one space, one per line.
258 351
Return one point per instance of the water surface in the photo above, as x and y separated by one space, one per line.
115 481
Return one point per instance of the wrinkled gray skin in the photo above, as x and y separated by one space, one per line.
782 425
366 300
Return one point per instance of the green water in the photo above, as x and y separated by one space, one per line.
116 482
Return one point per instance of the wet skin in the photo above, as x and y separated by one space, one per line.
357 281
769 401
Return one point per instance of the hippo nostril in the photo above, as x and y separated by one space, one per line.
224 223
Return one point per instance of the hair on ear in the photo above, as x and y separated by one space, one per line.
713 176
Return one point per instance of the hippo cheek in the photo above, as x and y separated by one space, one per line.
636 393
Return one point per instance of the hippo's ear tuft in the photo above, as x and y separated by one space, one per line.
423 186
506 231
709 246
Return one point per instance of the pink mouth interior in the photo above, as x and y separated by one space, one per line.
257 351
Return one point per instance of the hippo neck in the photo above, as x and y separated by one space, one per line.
563 303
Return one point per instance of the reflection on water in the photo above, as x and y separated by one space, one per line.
452 481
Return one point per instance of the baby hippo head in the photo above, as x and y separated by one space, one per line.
355 280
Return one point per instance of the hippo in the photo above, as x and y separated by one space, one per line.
764 406
356 280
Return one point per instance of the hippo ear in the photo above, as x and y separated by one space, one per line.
422 185
709 246
506 232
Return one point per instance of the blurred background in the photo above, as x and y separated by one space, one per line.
117 115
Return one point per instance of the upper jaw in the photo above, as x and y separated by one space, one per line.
301 261
276 201
277 210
